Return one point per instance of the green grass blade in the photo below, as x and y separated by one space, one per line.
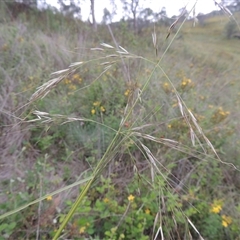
44 197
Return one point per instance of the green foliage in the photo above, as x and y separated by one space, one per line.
230 28
126 35
10 226
212 227
107 212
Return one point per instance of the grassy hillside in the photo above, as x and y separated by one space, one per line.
149 145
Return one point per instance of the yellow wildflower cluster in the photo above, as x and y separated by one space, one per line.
83 228
31 82
77 78
178 124
73 82
97 107
127 92
131 87
216 207
186 82
226 220
102 109
219 115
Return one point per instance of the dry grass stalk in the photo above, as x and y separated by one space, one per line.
195 229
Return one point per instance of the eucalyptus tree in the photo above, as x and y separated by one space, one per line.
70 7
132 7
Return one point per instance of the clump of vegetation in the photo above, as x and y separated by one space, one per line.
119 144
230 28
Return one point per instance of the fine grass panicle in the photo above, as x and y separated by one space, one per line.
130 141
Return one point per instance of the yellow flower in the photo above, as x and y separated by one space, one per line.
76 76
169 126
216 207
102 109
106 200
82 230
97 103
219 115
166 87
49 198
127 92
226 220
72 87
184 83
224 223
93 111
147 211
131 198
67 81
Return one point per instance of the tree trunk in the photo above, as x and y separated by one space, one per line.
134 6
93 14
